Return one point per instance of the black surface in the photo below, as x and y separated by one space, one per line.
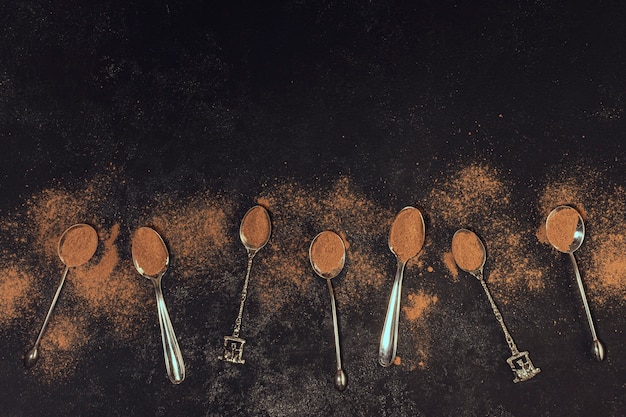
189 95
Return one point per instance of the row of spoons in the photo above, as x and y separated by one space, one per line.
327 256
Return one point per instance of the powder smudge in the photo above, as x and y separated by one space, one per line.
416 311
476 197
298 214
602 257
196 231
16 293
60 350
448 261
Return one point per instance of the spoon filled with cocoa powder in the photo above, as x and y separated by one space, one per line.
470 255
76 246
254 232
327 254
565 230
406 239
151 259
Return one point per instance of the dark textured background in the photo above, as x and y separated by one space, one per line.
185 95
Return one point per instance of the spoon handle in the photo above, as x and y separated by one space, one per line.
340 378
47 319
244 294
579 281
496 311
389 336
173 357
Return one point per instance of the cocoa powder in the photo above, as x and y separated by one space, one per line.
467 250
78 244
149 251
328 253
561 228
255 228
406 236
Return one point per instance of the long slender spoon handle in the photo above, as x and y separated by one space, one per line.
173 357
340 376
496 312
244 294
389 337
596 348
32 356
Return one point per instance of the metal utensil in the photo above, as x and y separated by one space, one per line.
30 359
340 376
233 345
519 362
389 336
597 349
173 357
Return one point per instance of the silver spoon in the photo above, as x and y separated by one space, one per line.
70 237
253 241
331 238
389 336
151 259
597 349
519 362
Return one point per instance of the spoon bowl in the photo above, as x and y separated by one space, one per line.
327 255
255 228
151 259
77 245
565 229
469 251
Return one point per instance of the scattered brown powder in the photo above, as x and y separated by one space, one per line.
284 273
467 250
600 202
255 227
110 288
561 228
478 197
15 293
78 244
197 231
416 309
406 236
448 261
60 347
328 253
149 251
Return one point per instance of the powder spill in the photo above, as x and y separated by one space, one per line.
602 257
197 232
476 197
255 228
416 310
448 261
61 346
15 293
298 212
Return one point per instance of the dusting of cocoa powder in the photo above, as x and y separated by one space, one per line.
16 293
478 196
297 212
149 252
600 202
416 310
255 228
